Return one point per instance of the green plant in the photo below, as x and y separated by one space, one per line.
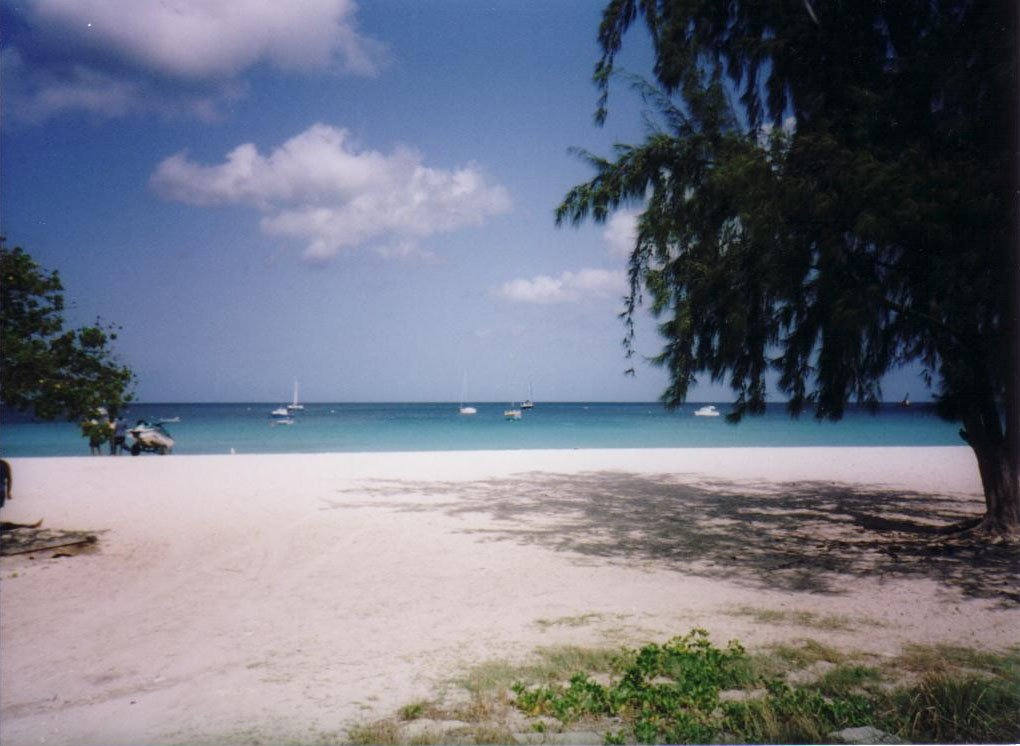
795 715
665 693
848 680
943 708
413 711
379 733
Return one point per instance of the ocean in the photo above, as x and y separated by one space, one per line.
324 428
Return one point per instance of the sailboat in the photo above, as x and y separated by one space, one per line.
528 404
463 409
294 406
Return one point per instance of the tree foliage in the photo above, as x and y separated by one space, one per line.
827 194
45 369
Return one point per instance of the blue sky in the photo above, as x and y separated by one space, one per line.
360 198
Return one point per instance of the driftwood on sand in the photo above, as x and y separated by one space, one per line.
29 538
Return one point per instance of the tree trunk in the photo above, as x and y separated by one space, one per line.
1000 467
1001 486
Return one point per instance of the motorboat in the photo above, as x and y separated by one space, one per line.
294 406
706 411
280 412
463 409
513 413
151 438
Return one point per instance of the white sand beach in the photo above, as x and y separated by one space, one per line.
232 598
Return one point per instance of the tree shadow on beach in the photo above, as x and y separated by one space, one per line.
803 536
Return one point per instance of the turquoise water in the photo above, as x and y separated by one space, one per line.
321 428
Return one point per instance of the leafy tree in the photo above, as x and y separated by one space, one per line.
45 369
828 193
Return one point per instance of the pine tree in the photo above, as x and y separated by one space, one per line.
829 193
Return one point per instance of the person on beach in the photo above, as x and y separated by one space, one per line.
6 482
95 431
119 434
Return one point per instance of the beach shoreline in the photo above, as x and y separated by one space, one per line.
301 593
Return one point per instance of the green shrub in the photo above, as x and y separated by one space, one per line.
666 693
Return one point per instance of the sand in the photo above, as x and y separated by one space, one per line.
284 598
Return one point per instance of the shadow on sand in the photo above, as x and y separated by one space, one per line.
804 536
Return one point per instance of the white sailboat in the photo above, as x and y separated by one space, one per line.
294 406
528 404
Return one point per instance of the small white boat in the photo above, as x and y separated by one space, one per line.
280 412
706 411
513 413
281 421
463 409
294 406
528 404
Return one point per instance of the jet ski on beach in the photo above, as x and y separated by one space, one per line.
151 437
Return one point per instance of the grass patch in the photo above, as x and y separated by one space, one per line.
420 709
689 690
379 732
925 658
807 653
582 620
550 664
671 694
491 734
945 708
830 622
794 715
850 679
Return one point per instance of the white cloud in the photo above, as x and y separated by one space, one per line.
621 232
322 189
567 288
406 251
112 57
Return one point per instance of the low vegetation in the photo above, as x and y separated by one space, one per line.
688 690
828 622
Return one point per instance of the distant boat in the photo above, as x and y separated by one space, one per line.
463 409
528 404
513 413
294 406
706 411
906 401
281 421
280 412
